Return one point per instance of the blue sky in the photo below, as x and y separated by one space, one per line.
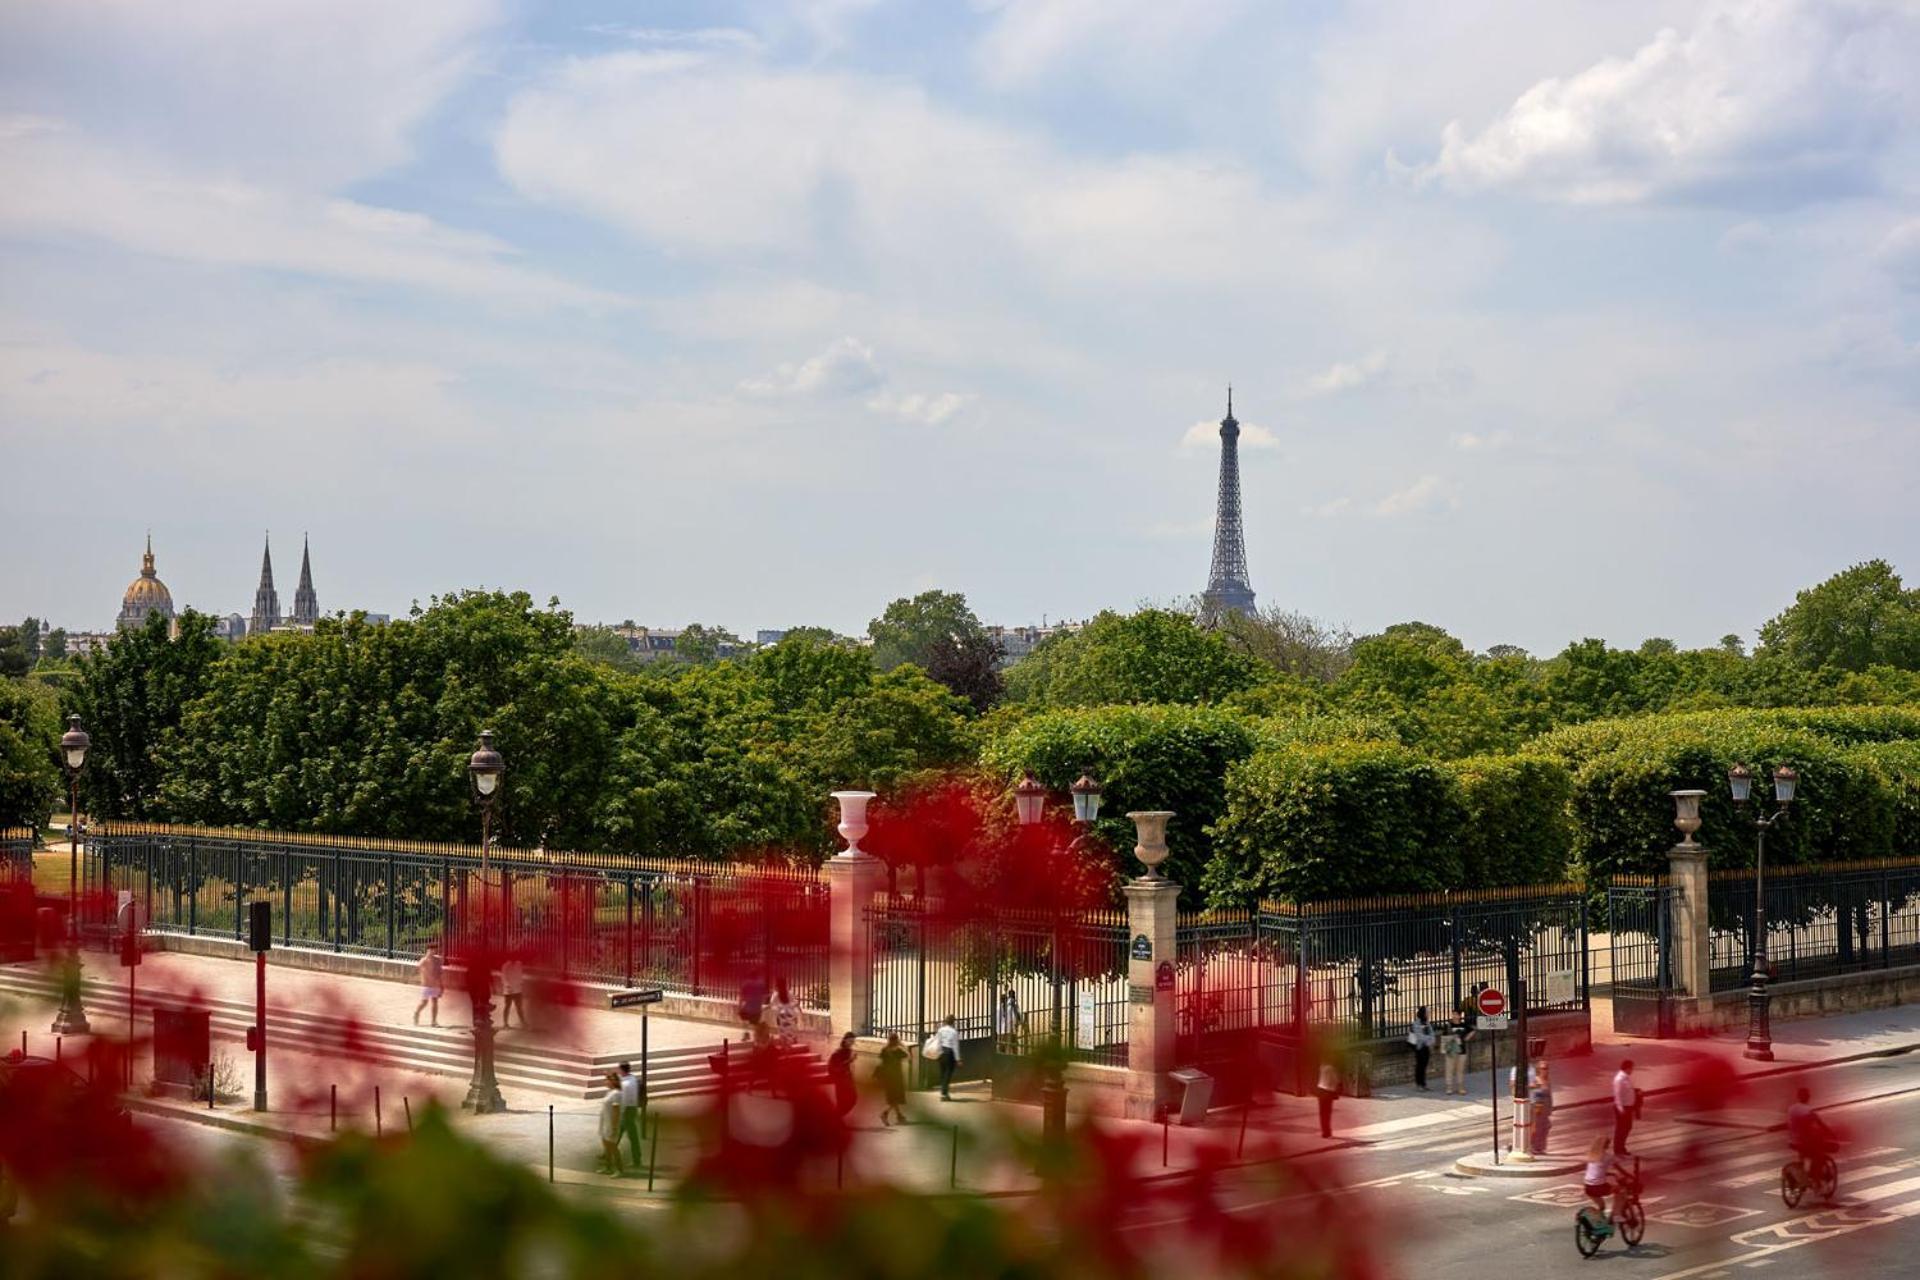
1591 318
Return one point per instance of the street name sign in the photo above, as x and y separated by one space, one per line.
628 999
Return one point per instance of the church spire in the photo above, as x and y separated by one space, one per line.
306 605
146 561
266 601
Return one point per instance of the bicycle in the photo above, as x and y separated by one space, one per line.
1819 1175
1591 1229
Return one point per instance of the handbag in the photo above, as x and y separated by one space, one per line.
931 1049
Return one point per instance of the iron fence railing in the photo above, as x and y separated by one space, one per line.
1821 921
16 855
1011 980
690 927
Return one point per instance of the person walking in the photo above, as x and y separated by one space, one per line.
753 1000
1420 1036
786 1015
513 983
840 1072
1540 1095
1626 1106
1453 1056
947 1039
1326 1090
610 1127
1006 1023
433 982
632 1100
892 1075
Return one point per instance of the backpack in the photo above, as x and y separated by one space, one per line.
931 1049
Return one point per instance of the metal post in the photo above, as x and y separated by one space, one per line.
645 1022
393 895
71 1019
1453 938
333 1107
407 1103
376 1112
1759 999
653 1149
629 930
286 900
549 1142
260 1031
953 1161
1493 1087
1886 909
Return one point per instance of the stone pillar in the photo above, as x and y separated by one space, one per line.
1687 865
853 878
1152 928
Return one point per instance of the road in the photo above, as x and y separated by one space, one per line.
1713 1191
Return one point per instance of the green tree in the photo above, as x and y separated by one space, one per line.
55 647
1155 655
30 778
1855 619
1291 643
14 661
603 645
701 644
131 698
30 638
937 632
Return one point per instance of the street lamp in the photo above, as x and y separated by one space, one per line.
71 1020
485 768
1029 800
1759 999
1086 799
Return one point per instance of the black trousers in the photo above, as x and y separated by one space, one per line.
1420 1059
948 1061
1326 1097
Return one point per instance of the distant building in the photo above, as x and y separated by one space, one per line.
266 601
145 595
79 642
306 605
232 628
651 644
1017 642
765 638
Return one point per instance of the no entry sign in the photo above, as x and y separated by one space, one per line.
1492 1003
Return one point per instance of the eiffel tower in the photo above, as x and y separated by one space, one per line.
1227 588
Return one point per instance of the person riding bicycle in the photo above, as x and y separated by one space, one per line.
1599 1178
1807 1133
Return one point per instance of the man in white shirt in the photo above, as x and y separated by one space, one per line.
630 1101
1625 1102
948 1039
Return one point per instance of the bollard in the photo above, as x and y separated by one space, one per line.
23 1044
953 1161
1242 1150
1166 1130
549 1142
376 1111
407 1103
333 1108
57 1042
653 1154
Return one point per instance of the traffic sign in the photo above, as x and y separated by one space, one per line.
1499 1022
627 999
1491 1002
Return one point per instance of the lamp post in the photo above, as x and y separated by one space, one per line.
1759 998
71 1020
484 770
1029 803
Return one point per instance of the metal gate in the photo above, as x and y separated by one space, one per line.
1641 955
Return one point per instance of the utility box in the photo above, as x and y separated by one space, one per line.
182 1049
1196 1094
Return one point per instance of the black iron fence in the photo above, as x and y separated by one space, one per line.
1642 954
16 855
1009 981
1820 921
693 928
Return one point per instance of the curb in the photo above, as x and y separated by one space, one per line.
1482 1166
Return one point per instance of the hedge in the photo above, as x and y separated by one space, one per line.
1576 744
1336 820
1516 829
1146 757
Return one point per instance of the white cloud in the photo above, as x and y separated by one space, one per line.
721 156
1476 442
928 409
1766 101
1030 40
1206 435
1349 375
847 367
1423 494
60 183
1333 507
1899 253
299 93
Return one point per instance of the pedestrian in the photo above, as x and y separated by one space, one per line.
753 1000
632 1100
1626 1106
1007 1022
513 982
786 1014
947 1043
432 983
610 1127
892 1075
840 1071
1540 1094
1326 1090
1420 1036
1453 1056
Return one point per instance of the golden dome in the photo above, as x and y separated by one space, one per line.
145 594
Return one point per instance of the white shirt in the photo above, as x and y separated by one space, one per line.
512 977
1009 1018
948 1038
609 1115
1596 1175
1622 1091
629 1091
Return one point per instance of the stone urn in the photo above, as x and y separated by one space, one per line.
1150 827
853 821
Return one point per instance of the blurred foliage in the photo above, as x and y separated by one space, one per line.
1155 655
30 778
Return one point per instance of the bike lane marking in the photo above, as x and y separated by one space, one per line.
1810 1229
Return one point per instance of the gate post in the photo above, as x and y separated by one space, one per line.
1153 920
853 878
1687 867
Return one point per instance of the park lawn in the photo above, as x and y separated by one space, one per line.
51 872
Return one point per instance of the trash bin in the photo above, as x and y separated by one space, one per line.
1195 1095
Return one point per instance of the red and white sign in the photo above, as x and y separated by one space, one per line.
1492 1003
